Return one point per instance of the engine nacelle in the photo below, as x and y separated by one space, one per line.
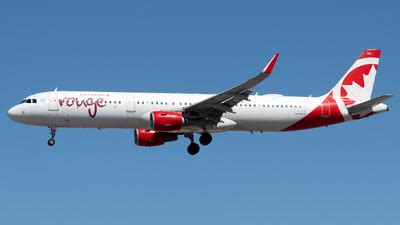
149 138
166 121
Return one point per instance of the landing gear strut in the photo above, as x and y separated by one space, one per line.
193 148
52 141
205 138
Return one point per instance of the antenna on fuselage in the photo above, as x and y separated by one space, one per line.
55 90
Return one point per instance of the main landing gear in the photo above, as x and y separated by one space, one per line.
194 148
52 141
205 138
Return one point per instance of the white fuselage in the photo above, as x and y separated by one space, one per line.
161 117
132 110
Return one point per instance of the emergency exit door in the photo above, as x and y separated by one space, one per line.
130 104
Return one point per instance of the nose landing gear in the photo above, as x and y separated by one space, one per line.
52 141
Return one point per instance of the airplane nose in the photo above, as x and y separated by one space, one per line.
13 113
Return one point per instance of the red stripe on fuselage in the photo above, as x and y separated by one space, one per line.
316 119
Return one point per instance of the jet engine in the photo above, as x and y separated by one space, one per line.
149 138
166 121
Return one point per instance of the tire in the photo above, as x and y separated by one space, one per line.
205 139
51 142
193 149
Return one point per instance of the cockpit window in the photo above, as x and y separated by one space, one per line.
29 100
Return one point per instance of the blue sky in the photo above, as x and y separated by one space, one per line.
345 174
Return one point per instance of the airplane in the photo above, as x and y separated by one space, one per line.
158 118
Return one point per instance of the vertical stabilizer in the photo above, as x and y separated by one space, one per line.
357 83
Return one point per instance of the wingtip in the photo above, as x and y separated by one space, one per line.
389 95
271 64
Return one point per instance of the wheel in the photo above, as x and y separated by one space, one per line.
193 149
51 142
205 138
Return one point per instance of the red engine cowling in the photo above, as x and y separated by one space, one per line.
166 121
149 138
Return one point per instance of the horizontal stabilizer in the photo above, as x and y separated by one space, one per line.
367 105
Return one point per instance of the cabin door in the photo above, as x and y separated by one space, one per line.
53 101
325 109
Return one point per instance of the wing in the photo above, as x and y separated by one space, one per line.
209 111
